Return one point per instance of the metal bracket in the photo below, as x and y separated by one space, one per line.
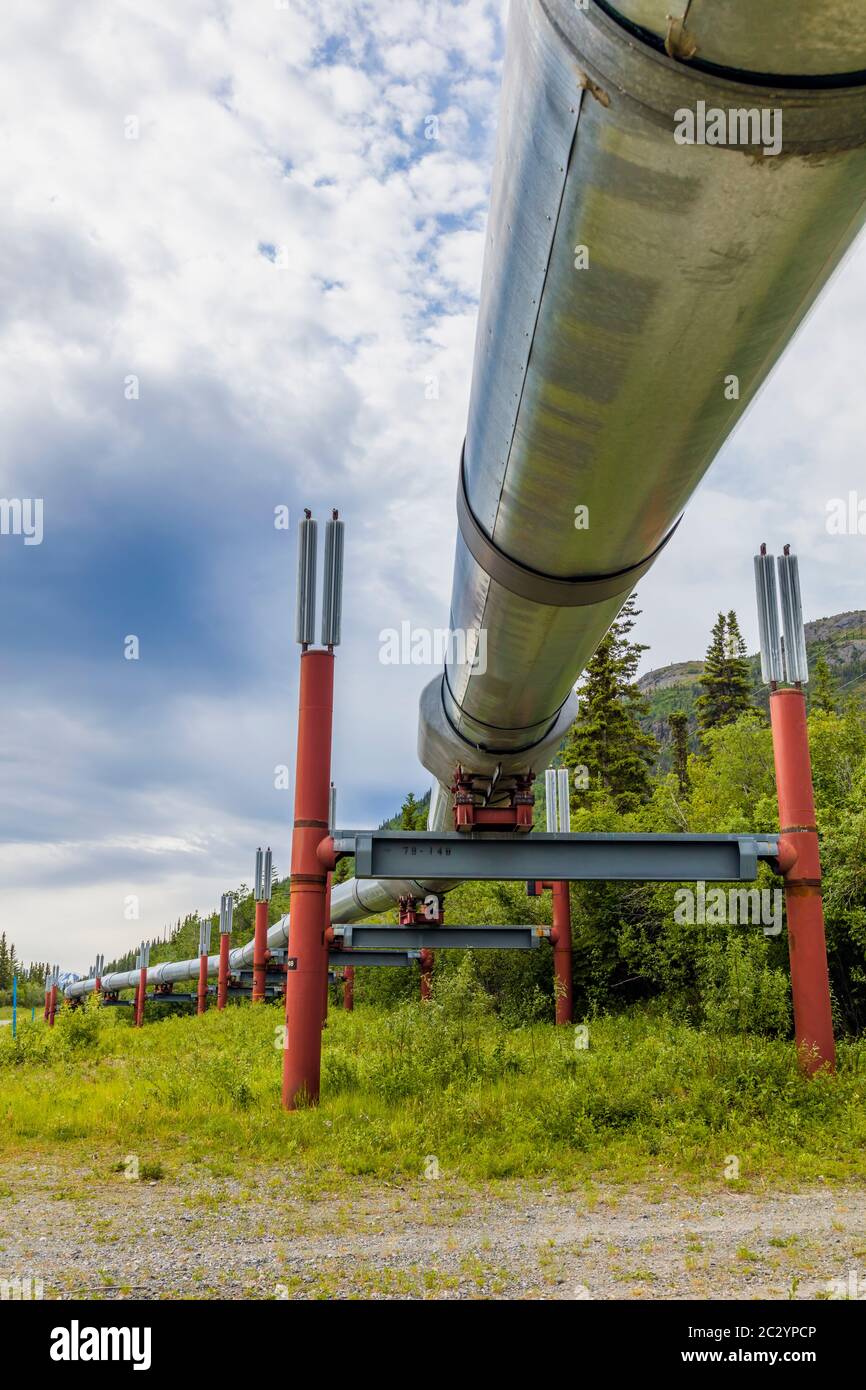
680 43
470 815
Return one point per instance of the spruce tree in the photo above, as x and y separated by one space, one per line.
678 721
607 737
412 815
726 680
5 974
824 686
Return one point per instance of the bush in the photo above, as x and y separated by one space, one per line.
77 1029
740 991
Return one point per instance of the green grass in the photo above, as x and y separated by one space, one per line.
23 1010
415 1087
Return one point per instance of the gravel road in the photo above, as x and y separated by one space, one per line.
87 1232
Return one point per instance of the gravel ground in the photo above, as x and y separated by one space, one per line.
87 1232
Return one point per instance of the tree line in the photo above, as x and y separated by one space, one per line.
10 965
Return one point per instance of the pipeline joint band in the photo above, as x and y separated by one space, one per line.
799 830
544 588
311 825
308 878
804 887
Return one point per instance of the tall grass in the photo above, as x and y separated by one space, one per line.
649 1098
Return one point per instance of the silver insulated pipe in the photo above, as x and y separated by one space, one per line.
675 182
639 285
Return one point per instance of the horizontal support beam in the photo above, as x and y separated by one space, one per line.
245 991
403 854
365 937
336 959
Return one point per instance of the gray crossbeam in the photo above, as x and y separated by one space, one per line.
403 854
365 958
363 936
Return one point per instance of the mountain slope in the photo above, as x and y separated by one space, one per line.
841 638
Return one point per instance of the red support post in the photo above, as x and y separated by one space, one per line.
800 863
260 951
307 962
223 979
140 996
328 938
52 1005
201 1003
411 913
349 988
47 1008
561 939
426 963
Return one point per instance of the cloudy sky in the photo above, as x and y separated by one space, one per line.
232 259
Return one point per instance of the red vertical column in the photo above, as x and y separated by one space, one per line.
260 951
800 863
561 938
223 979
328 936
202 983
307 922
426 974
139 996
349 988
52 1004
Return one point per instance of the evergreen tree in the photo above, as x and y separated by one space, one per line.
679 727
413 816
824 686
607 737
5 973
726 680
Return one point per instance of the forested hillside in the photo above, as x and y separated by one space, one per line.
841 640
